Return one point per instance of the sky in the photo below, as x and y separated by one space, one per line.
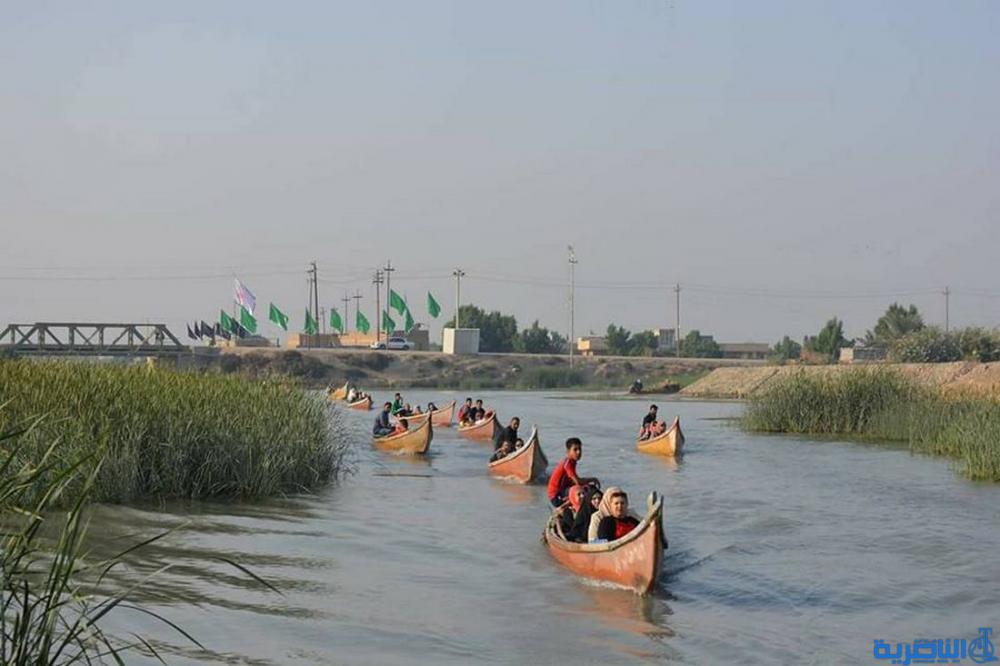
784 162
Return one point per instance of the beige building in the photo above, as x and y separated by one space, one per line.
592 345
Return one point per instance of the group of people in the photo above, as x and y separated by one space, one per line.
508 440
587 514
392 419
399 408
651 427
471 412
354 394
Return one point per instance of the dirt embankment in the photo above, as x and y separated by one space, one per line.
963 377
371 369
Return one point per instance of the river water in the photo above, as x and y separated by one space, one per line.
782 550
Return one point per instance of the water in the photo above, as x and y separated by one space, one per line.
781 551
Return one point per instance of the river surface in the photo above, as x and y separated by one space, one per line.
782 550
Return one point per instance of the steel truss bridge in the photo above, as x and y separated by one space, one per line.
88 339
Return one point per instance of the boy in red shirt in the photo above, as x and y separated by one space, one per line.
564 475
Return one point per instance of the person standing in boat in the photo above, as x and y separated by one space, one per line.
509 434
382 425
648 423
397 403
564 475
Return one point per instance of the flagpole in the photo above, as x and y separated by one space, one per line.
388 290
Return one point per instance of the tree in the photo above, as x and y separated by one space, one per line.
644 343
619 340
830 339
786 349
696 345
895 323
540 340
928 345
497 331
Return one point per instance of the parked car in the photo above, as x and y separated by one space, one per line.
393 343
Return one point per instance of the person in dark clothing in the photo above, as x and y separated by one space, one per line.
382 425
619 522
509 434
581 521
648 423
501 451
480 412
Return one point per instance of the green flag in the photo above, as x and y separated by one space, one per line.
335 321
247 320
388 325
312 328
361 323
433 309
397 303
278 317
226 322
408 326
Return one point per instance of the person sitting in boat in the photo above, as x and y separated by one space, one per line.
401 426
480 412
431 407
568 512
352 394
589 504
509 434
564 475
502 451
382 425
397 404
616 521
405 410
417 410
466 413
648 422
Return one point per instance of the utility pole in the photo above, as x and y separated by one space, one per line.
572 294
677 331
346 300
377 281
388 270
357 307
322 320
947 298
459 274
315 291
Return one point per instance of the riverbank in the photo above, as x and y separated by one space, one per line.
154 432
885 404
960 379
317 368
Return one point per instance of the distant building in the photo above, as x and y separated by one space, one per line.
666 339
745 350
859 354
592 345
248 341
460 341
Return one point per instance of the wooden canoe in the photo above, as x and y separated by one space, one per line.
483 431
523 465
415 441
441 418
632 561
338 394
364 404
670 443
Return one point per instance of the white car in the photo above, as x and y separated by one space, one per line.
393 343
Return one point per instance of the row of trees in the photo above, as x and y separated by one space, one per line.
902 333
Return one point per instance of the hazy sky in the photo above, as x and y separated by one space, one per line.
783 161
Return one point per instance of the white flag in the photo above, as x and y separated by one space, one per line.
243 296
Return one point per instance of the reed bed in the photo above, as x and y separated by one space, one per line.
880 404
164 433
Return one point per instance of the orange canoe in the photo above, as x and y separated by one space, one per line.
483 431
670 443
523 465
338 394
441 418
632 561
365 403
415 441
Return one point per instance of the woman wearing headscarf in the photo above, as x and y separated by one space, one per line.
568 514
588 506
605 510
616 522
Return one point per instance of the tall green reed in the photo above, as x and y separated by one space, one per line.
879 404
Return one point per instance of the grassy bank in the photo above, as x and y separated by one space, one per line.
883 405
164 433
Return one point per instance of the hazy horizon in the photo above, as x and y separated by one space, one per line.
785 162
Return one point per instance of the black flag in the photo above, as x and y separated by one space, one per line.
191 333
221 332
206 330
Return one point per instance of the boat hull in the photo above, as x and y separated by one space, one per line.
364 404
338 394
440 418
670 443
524 465
482 432
414 442
632 561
